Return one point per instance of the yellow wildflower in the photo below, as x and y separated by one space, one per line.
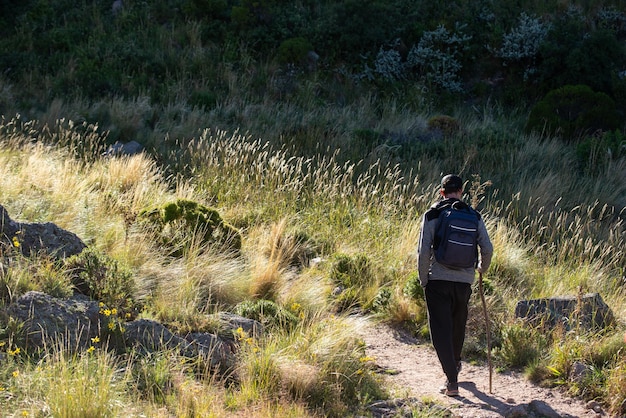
95 340
16 242
111 325
241 334
16 373
91 349
114 311
107 312
24 413
101 304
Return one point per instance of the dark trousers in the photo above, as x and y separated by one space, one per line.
447 315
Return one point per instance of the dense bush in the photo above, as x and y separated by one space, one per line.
267 313
102 278
177 223
293 51
520 47
571 54
572 111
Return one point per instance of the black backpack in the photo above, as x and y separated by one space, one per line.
456 236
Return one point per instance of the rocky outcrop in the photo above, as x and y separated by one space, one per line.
34 238
48 320
588 311
75 322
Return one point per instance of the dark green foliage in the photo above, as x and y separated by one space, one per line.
595 152
350 28
571 55
349 271
520 346
382 300
102 278
204 99
176 223
207 9
572 111
268 313
413 288
351 274
293 51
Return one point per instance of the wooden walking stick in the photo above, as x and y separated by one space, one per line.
482 297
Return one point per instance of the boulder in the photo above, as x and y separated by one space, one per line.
49 321
35 238
146 336
588 311
121 148
231 322
211 347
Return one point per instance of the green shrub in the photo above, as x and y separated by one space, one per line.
570 111
572 55
350 271
447 125
520 345
382 300
268 313
413 288
293 51
177 222
102 278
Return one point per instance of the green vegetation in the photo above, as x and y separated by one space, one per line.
290 190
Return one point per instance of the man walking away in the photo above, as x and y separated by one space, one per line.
447 258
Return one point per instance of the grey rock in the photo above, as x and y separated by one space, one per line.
36 238
120 148
212 348
517 411
146 336
542 409
588 311
578 372
231 322
48 320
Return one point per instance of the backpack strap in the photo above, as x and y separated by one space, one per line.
437 208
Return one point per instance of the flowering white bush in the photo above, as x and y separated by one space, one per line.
389 64
521 45
436 57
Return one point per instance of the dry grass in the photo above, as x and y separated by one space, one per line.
544 243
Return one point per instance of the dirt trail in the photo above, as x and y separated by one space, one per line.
413 370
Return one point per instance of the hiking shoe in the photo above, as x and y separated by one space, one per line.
450 389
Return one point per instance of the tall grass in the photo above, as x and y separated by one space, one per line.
288 204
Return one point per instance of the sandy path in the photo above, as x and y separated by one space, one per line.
413 370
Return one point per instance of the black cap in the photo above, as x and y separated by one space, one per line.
451 183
